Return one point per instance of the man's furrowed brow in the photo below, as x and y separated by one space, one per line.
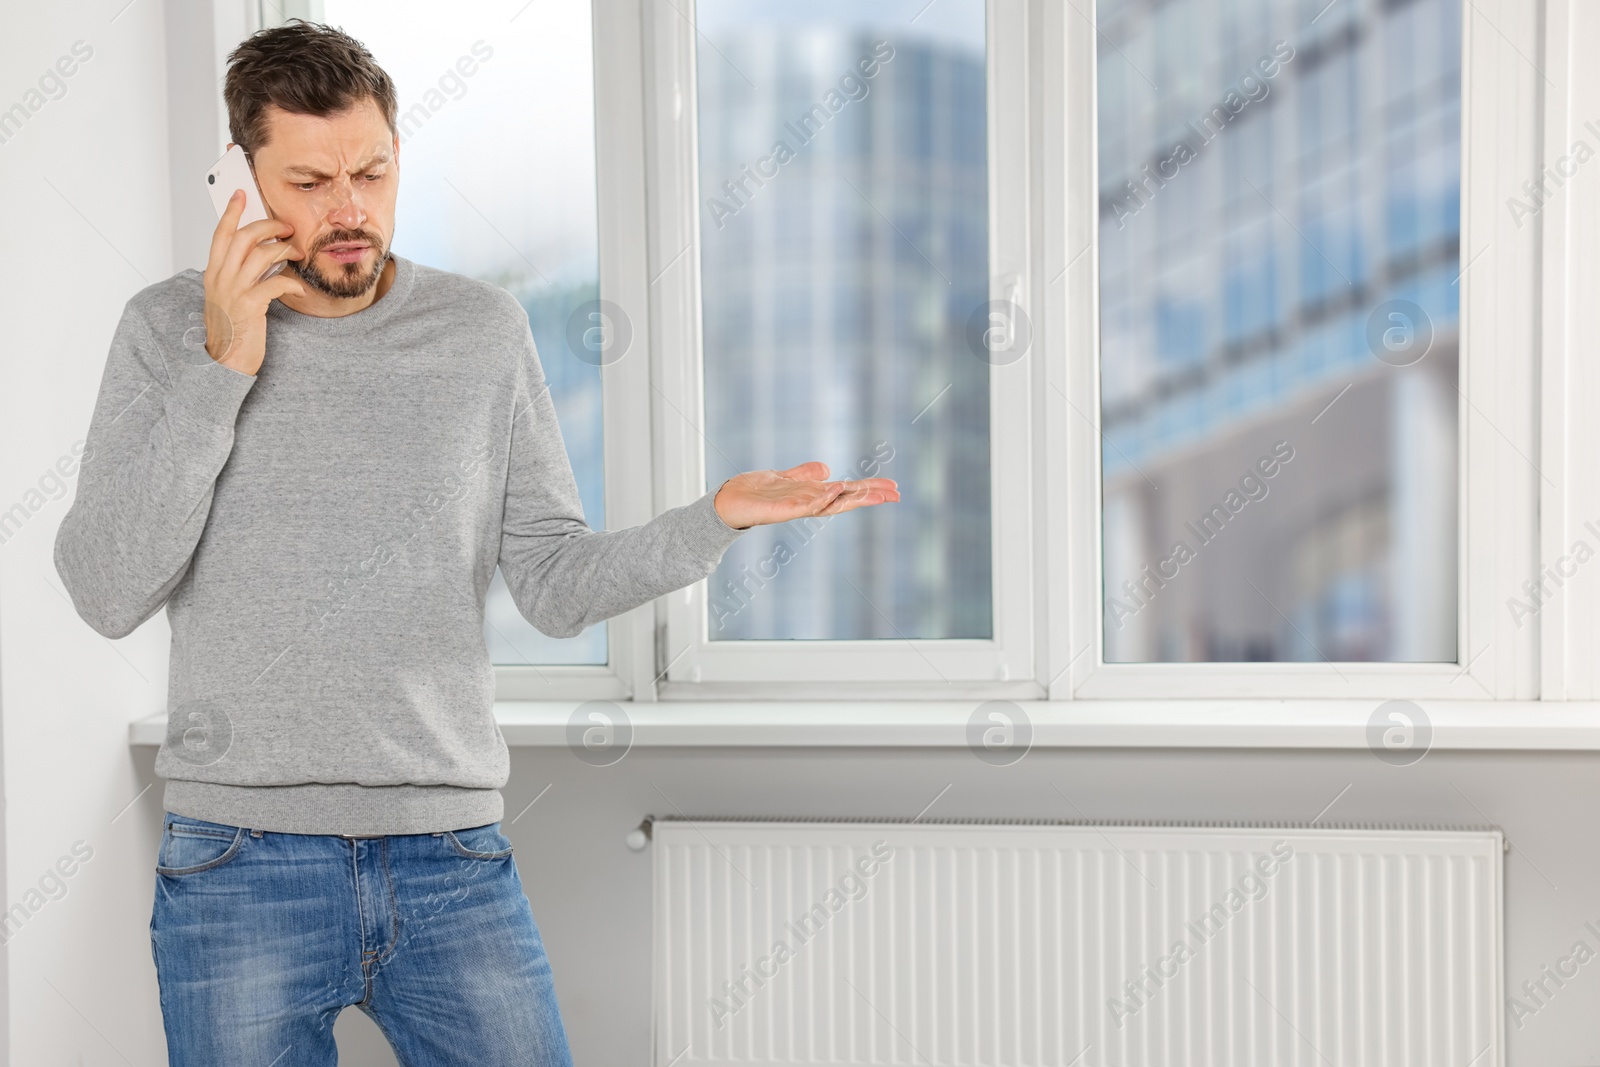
303 171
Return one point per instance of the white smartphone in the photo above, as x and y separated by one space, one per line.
232 172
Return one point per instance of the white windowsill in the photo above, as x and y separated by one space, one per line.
1063 724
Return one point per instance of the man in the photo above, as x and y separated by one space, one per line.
320 493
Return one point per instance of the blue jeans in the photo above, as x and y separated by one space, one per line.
261 938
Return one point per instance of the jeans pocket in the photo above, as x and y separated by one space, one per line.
189 846
480 842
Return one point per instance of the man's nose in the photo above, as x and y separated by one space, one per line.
344 208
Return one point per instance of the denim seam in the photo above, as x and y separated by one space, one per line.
361 927
233 850
183 829
472 854
394 908
155 957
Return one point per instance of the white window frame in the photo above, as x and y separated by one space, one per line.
625 383
694 665
1569 623
1499 493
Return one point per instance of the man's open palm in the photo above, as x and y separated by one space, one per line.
760 498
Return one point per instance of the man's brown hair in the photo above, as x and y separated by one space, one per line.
304 68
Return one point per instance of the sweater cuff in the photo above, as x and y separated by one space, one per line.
707 528
210 393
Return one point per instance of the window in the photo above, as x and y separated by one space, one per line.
843 216
479 197
1280 240
1307 344
857 277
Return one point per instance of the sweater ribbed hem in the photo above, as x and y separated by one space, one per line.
344 808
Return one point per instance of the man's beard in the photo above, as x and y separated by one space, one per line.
347 279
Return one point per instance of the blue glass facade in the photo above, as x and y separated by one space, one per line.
838 273
1272 174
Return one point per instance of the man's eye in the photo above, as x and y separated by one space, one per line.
373 177
305 187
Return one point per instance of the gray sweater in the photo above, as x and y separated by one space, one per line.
324 533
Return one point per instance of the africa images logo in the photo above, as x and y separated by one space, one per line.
599 732
1399 732
999 732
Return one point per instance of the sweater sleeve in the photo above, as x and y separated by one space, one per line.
564 576
161 431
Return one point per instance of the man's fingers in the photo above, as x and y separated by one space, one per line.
875 483
858 496
282 285
258 261
263 229
865 485
226 225
249 238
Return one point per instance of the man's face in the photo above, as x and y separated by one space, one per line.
335 180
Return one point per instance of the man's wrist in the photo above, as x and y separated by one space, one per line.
717 507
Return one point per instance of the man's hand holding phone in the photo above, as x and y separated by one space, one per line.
236 301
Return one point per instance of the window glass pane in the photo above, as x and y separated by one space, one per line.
844 249
498 182
1280 191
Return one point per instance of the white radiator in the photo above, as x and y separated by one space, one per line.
804 943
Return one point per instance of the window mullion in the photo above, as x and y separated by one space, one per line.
1567 607
678 459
